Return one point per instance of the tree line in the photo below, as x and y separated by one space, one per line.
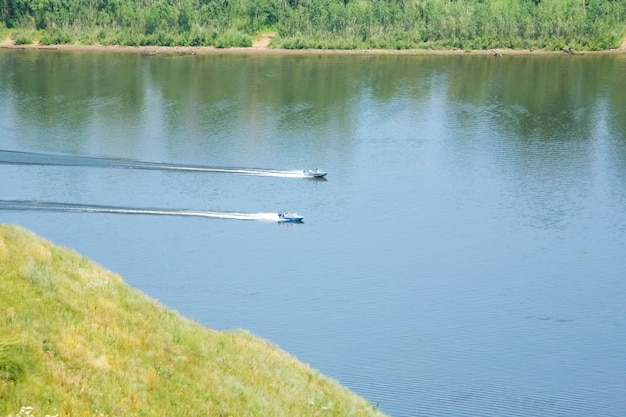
322 24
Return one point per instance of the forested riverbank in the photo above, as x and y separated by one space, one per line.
320 24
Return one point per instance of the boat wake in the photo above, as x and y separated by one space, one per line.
33 158
86 208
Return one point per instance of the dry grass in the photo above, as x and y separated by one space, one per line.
75 340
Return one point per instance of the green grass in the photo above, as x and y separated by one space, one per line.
75 340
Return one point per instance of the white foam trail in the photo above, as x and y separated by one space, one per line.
236 216
83 208
255 172
32 158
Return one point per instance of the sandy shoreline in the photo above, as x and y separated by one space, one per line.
261 48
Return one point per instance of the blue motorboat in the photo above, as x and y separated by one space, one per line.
314 173
290 217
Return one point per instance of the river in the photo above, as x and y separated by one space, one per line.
464 256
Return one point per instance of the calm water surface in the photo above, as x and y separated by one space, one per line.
465 255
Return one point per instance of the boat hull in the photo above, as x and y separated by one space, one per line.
314 173
292 218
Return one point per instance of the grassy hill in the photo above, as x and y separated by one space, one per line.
76 340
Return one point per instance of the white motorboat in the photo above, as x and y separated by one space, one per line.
315 173
290 217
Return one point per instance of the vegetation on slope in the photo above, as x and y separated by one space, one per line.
76 340
326 24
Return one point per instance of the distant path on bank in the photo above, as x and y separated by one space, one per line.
264 41
7 42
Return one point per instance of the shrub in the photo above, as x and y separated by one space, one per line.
22 39
294 43
11 366
56 37
233 39
198 38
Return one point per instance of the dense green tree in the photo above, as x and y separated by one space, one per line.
398 24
